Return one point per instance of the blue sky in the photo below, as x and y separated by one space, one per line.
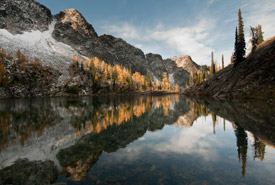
175 27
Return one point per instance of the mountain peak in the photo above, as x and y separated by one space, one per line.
186 63
74 19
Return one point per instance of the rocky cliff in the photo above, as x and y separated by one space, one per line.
253 78
186 63
18 16
71 28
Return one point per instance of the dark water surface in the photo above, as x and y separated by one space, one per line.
142 139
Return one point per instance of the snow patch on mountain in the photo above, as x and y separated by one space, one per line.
43 46
171 78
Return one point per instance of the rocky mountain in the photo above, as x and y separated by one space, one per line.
186 63
252 78
30 27
71 28
18 16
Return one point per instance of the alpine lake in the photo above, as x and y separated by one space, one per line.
146 139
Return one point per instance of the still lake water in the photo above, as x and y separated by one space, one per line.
142 139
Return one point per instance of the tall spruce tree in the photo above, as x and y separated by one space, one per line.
236 55
222 62
241 36
212 68
239 52
203 73
260 35
240 49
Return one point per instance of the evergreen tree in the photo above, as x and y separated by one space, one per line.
130 78
241 36
164 83
191 79
260 35
239 41
242 142
197 78
114 75
232 59
203 73
212 68
3 78
222 62
149 82
254 37
236 50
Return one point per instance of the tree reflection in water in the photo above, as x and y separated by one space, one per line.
108 125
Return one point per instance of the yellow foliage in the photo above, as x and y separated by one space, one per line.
105 73
102 67
96 63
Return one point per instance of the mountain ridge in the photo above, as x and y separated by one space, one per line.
54 39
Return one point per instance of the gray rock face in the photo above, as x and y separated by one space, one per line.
72 29
17 16
186 63
157 65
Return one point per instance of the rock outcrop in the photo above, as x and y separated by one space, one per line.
252 78
177 75
25 172
186 63
18 16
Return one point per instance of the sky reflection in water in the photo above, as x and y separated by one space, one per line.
157 140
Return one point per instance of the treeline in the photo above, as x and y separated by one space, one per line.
202 75
101 119
21 76
238 55
118 77
240 46
198 77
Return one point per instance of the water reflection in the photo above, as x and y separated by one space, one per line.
22 119
142 139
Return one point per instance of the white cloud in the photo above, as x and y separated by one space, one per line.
200 38
124 30
261 12
192 40
195 140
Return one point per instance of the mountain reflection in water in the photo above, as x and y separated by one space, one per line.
142 139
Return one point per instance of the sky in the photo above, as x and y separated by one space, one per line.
175 27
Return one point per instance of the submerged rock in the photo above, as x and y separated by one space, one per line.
28 172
